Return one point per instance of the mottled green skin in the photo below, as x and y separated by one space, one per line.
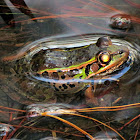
60 58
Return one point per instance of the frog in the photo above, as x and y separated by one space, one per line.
63 66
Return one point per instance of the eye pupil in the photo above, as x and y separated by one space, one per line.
105 58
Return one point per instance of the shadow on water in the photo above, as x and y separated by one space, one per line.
58 81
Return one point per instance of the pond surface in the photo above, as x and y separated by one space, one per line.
58 80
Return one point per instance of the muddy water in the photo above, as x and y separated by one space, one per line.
60 19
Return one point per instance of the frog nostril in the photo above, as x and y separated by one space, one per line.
121 51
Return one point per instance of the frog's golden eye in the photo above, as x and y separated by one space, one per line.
104 58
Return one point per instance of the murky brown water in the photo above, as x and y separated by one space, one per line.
23 23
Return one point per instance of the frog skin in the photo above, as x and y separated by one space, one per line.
42 71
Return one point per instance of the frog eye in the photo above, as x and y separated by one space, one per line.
104 58
103 42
